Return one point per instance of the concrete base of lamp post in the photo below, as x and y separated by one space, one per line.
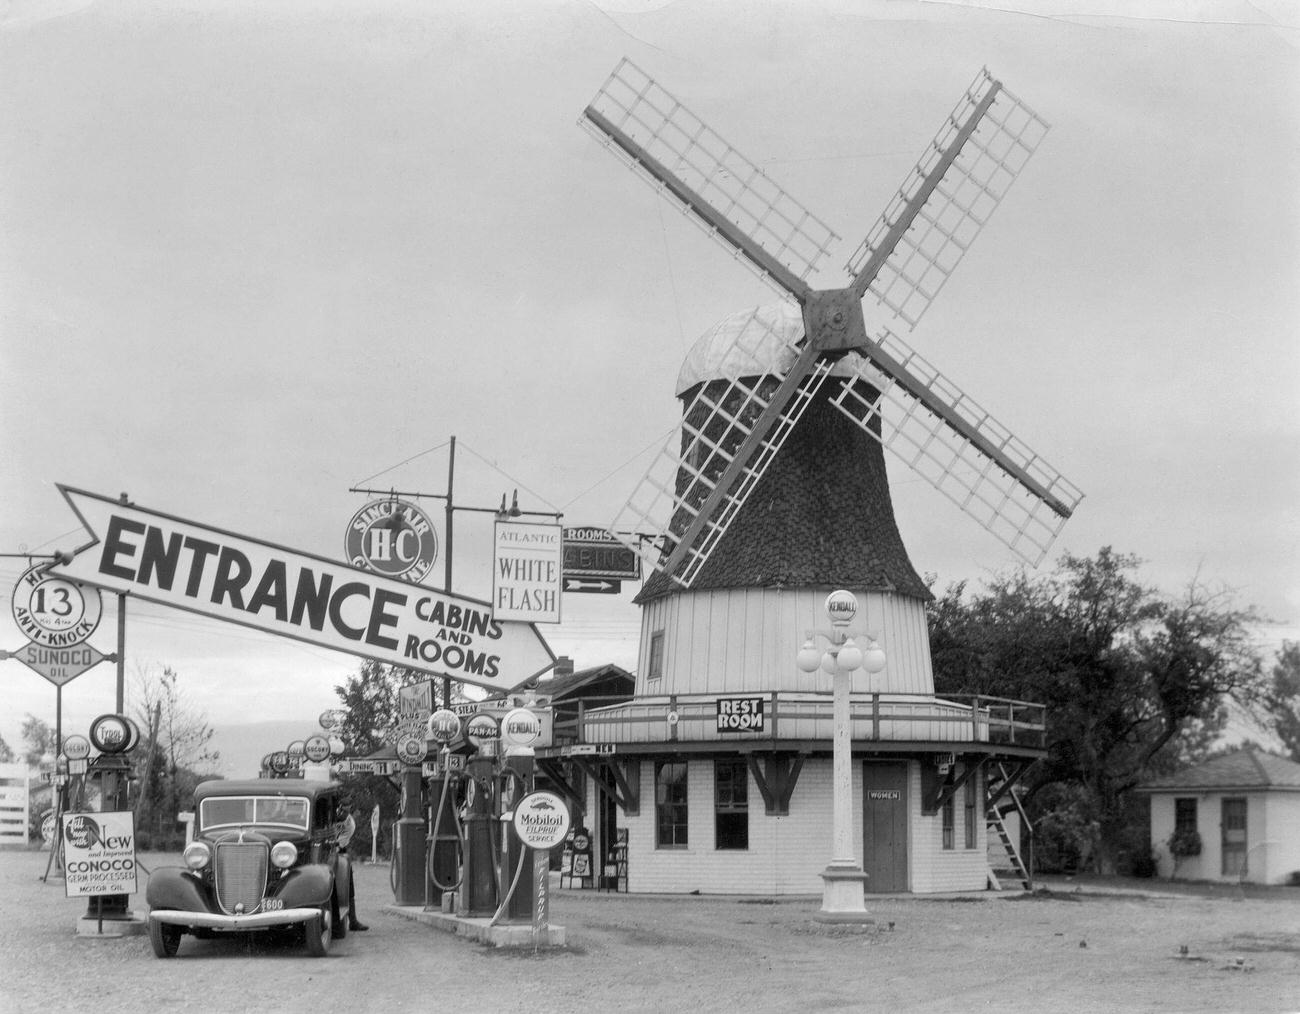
842 900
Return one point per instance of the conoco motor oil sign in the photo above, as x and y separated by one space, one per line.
99 854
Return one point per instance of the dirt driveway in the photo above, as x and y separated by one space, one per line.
1077 948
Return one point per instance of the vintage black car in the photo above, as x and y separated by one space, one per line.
265 857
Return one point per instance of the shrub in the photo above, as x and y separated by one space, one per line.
1141 863
1186 842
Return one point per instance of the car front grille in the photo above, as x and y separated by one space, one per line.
240 870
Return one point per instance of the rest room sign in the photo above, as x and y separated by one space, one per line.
740 714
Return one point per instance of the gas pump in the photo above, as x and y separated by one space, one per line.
478 891
494 877
114 736
446 836
519 730
407 871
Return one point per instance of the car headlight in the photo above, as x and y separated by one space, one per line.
284 854
197 855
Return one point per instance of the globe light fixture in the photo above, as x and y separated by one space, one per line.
873 659
808 659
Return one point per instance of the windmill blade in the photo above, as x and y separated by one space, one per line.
729 435
727 195
903 402
946 199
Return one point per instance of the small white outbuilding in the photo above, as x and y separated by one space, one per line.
1234 818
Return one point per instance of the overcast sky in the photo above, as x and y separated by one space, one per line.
252 255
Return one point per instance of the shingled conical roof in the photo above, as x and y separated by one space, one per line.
821 515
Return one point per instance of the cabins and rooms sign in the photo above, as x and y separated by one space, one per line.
240 579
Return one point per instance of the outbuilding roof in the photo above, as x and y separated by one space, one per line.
1249 768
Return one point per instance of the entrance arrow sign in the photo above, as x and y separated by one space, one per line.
256 584
574 584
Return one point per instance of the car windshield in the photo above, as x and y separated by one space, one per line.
225 811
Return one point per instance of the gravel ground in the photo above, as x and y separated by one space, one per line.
1077 946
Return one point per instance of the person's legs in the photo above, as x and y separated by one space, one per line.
353 922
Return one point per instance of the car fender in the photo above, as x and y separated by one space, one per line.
172 887
307 886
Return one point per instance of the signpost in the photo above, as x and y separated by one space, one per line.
243 580
541 820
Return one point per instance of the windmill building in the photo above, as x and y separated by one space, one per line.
717 775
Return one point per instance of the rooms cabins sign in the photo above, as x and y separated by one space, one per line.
243 580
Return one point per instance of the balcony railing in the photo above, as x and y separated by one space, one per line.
808 716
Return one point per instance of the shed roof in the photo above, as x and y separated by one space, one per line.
567 686
1249 768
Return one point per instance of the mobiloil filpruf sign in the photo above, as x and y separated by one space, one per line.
242 580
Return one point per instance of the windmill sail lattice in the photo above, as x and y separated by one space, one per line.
729 197
728 438
955 186
1026 510
715 423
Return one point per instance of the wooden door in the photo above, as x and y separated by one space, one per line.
884 827
1233 830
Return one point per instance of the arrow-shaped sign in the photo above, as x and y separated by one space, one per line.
59 665
243 580
575 584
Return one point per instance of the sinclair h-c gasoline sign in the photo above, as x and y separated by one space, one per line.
243 580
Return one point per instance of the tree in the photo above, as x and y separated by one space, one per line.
38 740
1282 701
370 699
1130 677
174 754
6 752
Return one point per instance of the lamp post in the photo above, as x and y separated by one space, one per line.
843 879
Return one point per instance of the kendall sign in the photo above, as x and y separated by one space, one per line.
256 584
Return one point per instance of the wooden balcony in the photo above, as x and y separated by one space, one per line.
804 720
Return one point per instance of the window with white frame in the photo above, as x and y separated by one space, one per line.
731 804
655 664
670 805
